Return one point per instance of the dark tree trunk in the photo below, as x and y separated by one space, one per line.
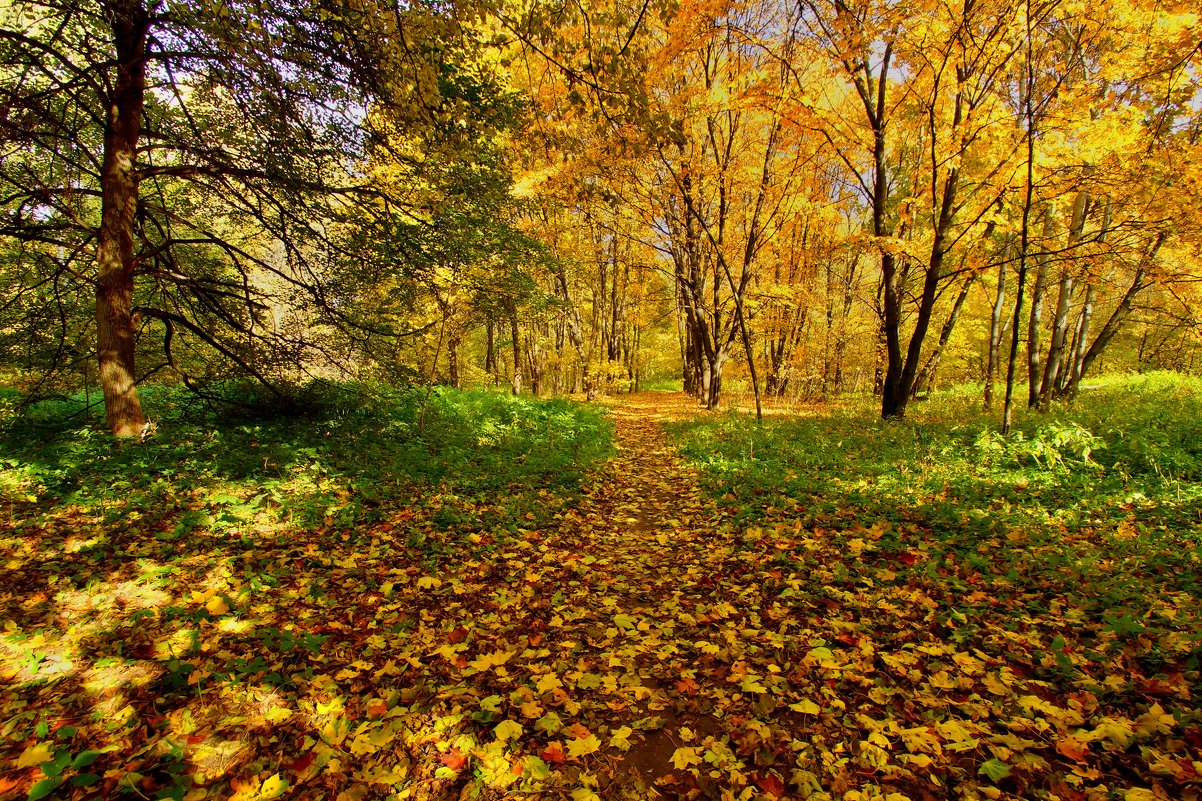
115 241
925 382
897 394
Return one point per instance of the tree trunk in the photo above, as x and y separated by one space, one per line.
1081 335
897 394
1111 327
115 263
490 349
1081 338
1063 303
995 323
926 377
515 380
1025 228
1034 373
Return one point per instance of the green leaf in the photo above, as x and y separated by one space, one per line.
55 766
624 621
85 780
995 769
84 758
44 788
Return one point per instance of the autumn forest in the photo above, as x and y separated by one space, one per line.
674 399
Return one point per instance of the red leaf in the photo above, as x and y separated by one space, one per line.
771 784
454 759
554 753
302 763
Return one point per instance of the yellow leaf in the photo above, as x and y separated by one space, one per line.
995 685
619 738
1139 794
921 739
1155 721
217 606
1115 731
548 683
35 755
273 787
683 757
583 745
429 582
277 714
507 730
486 661
550 723
806 707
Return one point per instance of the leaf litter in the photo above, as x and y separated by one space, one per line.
635 641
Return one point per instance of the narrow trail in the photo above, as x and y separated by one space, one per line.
646 561
632 638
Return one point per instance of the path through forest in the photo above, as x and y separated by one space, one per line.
630 640
666 608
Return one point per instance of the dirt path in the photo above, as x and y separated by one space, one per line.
646 557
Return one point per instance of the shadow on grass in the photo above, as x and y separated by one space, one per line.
182 613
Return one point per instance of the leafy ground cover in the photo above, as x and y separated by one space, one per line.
482 605
161 597
1022 613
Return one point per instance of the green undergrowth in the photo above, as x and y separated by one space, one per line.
340 458
167 601
1094 506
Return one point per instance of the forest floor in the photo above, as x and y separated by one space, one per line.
634 638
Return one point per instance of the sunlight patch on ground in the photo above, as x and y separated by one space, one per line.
113 676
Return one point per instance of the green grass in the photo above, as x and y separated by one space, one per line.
1099 501
351 457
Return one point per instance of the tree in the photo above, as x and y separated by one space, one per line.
205 157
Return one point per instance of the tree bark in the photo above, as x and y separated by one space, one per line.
115 263
1064 300
1034 371
926 377
1111 327
995 323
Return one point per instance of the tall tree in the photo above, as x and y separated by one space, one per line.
216 147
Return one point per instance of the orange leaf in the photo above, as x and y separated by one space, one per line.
771 784
1073 749
454 759
554 753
